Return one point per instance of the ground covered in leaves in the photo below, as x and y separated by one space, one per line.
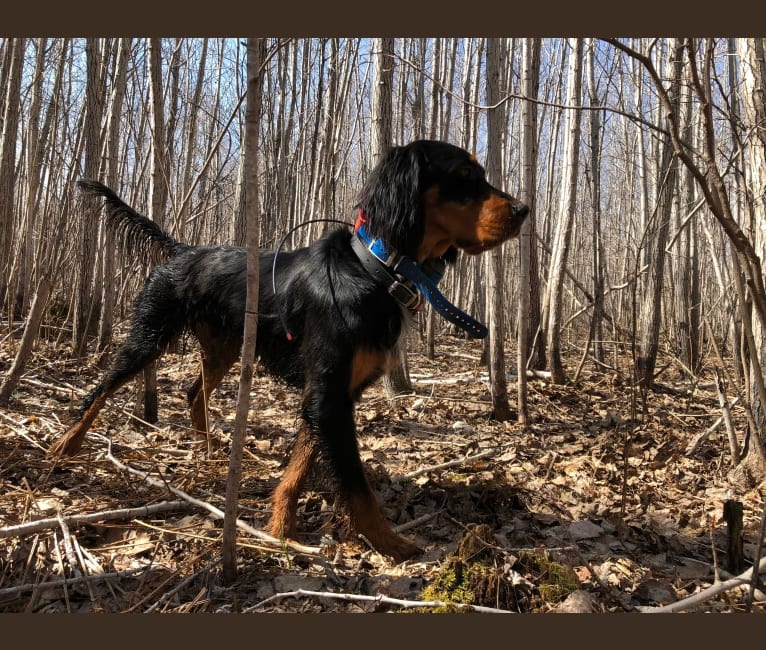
590 508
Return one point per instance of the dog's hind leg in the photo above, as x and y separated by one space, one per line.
154 325
128 363
218 356
304 453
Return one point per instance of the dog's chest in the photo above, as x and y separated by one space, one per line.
368 365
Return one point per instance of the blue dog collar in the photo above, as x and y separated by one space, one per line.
409 269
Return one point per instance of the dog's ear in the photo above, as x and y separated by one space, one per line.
392 198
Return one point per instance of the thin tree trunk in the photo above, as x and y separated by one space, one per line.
655 242
596 325
112 161
382 86
35 147
158 191
496 119
190 151
256 60
14 63
528 182
397 380
84 304
27 340
566 212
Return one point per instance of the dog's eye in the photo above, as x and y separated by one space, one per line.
465 172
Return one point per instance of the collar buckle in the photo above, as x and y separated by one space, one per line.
407 296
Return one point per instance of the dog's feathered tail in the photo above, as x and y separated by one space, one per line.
139 234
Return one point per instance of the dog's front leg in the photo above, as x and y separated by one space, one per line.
330 414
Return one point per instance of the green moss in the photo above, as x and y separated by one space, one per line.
477 575
451 585
470 576
554 581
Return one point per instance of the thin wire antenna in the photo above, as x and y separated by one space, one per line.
280 313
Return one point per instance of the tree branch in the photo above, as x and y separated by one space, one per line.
706 594
386 600
19 530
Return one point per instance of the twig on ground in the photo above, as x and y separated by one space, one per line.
19 530
706 594
68 549
65 581
216 512
461 461
81 560
169 594
694 445
386 600
32 586
415 522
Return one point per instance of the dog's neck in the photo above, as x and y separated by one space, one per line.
407 281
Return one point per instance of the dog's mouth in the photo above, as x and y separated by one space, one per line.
476 247
491 237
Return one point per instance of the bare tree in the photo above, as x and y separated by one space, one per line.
530 79
13 62
496 118
158 192
111 173
191 145
397 380
382 87
595 335
566 211
656 237
94 103
256 60
711 183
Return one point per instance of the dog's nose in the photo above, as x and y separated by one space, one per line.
520 210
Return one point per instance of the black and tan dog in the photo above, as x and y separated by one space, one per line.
334 324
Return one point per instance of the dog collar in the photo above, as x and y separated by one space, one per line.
407 281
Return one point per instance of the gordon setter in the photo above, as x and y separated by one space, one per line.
334 324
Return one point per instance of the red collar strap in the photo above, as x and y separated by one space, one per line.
360 220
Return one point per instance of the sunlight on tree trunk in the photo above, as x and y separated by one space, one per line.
567 208
256 60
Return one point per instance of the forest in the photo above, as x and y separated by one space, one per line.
602 450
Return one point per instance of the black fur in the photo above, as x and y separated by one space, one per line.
345 325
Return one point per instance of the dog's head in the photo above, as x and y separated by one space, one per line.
429 198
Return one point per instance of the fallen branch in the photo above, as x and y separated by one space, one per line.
386 600
169 594
216 512
17 429
415 522
694 445
461 461
706 594
31 586
19 530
